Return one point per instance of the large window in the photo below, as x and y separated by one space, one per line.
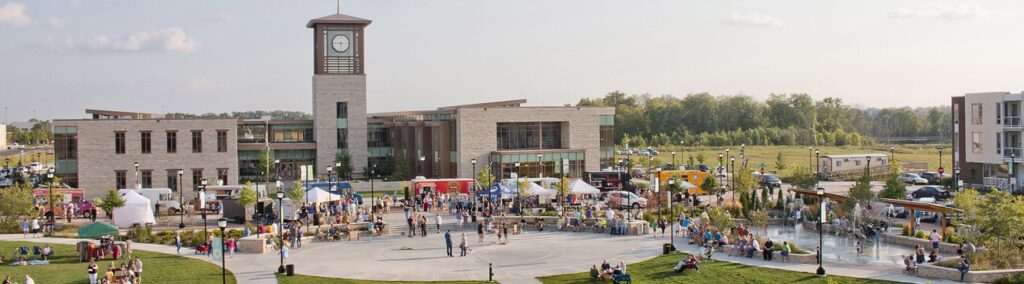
172 141
529 135
252 133
121 179
119 142
197 179
172 179
976 114
291 133
342 138
222 175
65 144
147 142
342 125
222 141
197 141
976 142
342 110
147 178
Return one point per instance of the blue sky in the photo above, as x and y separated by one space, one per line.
59 57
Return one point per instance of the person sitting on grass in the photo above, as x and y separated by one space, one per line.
606 269
687 263
594 274
46 253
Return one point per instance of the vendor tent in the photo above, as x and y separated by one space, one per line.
136 210
96 230
581 187
685 185
317 195
536 189
497 190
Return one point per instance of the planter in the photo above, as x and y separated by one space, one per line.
929 270
911 241
777 256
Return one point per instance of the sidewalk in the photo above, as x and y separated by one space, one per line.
254 270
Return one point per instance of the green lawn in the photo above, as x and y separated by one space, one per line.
659 270
303 279
65 268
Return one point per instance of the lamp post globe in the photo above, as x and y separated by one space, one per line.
821 243
280 231
222 223
181 201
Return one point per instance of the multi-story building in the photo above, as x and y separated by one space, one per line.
101 151
987 138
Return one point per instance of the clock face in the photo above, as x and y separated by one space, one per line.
340 43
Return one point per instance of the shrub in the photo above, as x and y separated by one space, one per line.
906 231
1015 278
920 235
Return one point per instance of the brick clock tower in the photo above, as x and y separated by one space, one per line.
339 90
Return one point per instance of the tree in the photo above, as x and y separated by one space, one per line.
563 188
692 162
247 196
110 201
894 187
700 158
710 185
485 177
14 203
720 218
342 164
524 192
780 163
779 201
759 218
265 164
860 193
744 178
401 171
297 193
802 178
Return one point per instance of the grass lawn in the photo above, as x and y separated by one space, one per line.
797 156
659 270
65 268
29 156
303 279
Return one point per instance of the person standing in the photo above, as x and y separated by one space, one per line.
177 241
137 263
935 238
93 269
26 227
35 227
284 254
448 242
423 224
464 246
412 225
437 220
92 214
480 231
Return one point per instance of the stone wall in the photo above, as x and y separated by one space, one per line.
932 271
328 90
777 256
911 241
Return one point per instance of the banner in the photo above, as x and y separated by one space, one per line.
217 251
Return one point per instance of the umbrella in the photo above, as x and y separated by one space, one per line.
96 230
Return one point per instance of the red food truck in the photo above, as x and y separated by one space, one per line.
443 186
62 196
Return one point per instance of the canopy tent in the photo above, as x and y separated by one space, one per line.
685 185
317 195
136 210
96 230
581 187
497 190
536 189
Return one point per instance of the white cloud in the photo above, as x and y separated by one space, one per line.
13 14
948 12
737 19
56 23
166 40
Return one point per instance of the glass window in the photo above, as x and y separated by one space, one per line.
252 133
976 113
976 143
291 133
342 110
222 141
342 138
147 145
172 179
197 141
222 175
147 179
197 179
999 143
999 114
172 141
120 179
119 142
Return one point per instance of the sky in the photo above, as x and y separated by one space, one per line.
59 57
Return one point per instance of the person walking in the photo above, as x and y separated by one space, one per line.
92 269
448 242
480 231
177 241
437 220
464 246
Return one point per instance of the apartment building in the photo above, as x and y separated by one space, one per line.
987 138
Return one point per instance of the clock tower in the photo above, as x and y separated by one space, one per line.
339 90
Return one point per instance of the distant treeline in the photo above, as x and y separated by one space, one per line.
782 119
277 115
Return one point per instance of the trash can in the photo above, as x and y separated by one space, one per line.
289 269
666 249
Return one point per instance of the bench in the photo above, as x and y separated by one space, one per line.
622 278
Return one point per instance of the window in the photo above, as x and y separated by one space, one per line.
120 179
197 179
147 139
342 110
976 113
222 141
147 178
172 141
222 175
119 142
999 143
976 142
856 163
342 125
342 138
529 135
999 114
172 179
197 141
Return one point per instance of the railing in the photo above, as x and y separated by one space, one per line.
1011 121
999 182
1015 152
341 65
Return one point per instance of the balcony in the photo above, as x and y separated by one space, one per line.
1014 152
1011 122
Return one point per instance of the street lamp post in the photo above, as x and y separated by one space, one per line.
810 163
732 173
721 173
1009 178
49 175
181 201
818 175
540 165
280 231
330 188
373 205
956 178
674 160
672 236
892 153
473 175
202 206
869 166
223 224
940 159
422 166
137 183
821 220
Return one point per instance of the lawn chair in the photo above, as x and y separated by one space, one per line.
622 278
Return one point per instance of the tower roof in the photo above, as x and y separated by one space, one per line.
338 19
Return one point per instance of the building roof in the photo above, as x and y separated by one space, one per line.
118 114
509 103
854 156
338 18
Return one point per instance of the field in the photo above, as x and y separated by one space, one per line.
65 268
797 156
659 270
29 156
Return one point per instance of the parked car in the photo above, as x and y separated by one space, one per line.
769 181
912 178
624 200
929 217
643 152
932 177
652 152
932 192
895 212
703 168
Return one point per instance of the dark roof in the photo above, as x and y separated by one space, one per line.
338 19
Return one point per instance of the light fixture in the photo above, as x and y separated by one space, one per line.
820 191
222 223
473 161
280 194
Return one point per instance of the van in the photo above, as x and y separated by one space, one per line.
162 196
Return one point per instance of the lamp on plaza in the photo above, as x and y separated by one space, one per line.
181 201
817 171
892 153
674 160
672 238
732 174
956 178
330 188
373 205
540 165
202 206
476 182
721 174
421 166
821 220
810 163
222 223
1009 178
137 183
280 231
49 176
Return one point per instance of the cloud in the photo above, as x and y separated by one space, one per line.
947 12
737 19
12 14
56 23
166 40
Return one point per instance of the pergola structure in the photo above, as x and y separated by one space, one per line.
814 194
915 206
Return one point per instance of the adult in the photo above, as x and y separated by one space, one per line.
919 253
92 269
448 242
437 220
35 227
935 238
177 241
137 264
965 266
464 245
480 231
26 227
768 244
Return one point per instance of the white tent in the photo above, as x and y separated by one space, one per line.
536 189
317 195
136 210
685 185
581 187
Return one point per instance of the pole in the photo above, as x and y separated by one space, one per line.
223 261
280 231
181 202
